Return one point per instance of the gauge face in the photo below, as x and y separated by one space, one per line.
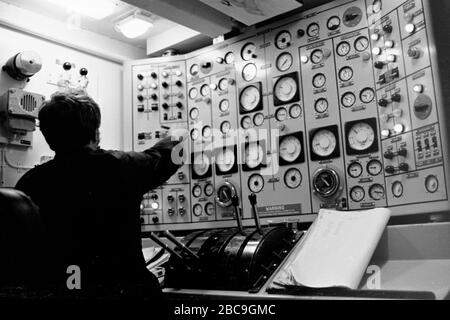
321 105
197 210
248 51
343 48
209 190
333 23
197 191
194 70
229 58
376 192
292 178
352 16
355 170
283 40
246 122
225 127
193 93
281 114
204 90
348 99
313 30
209 209
397 189
250 98
432 183
249 72
290 148
256 183
254 155
361 136
374 167
295 111
317 56
258 119
361 43
357 194
323 143
194 113
223 84
346 73
206 132
367 95
201 164
326 182
319 80
285 89
224 105
225 160
195 134
284 61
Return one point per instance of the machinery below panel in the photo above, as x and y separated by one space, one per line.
337 107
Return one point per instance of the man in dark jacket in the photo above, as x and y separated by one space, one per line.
89 200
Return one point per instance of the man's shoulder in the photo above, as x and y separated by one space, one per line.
37 173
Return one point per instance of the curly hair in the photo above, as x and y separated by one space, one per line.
69 121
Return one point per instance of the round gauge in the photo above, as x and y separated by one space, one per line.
250 98
258 119
248 51
201 164
204 90
281 114
321 105
194 70
432 184
254 155
374 167
367 95
352 17
295 111
223 84
249 72
284 61
376 192
285 89
323 143
209 190
292 178
225 160
333 23
225 127
256 183
246 122
194 113
377 6
348 99
346 73
224 105
313 30
319 80
283 40
397 189
361 136
195 134
197 210
206 132
209 209
197 191
229 58
326 182
317 56
343 48
290 148
361 43
357 194
193 93
355 170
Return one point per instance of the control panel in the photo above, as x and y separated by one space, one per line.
336 107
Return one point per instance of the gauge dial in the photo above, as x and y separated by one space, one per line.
225 160
348 99
326 182
248 51
246 122
223 84
284 61
361 136
343 48
201 164
376 192
290 148
346 73
355 170
195 134
317 56
283 40
197 191
197 210
249 72
204 90
313 30
225 127
281 114
361 43
258 119
250 98
432 184
295 111
209 190
367 95
254 155
209 209
292 178
194 113
374 167
319 80
324 143
256 183
357 194
352 17
193 93
285 89
333 23
206 132
321 105
194 70
224 105
229 58
397 189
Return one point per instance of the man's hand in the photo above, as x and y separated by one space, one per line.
178 134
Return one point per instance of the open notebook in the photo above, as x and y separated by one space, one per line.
336 250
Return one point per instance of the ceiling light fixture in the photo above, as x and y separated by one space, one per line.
134 25
98 9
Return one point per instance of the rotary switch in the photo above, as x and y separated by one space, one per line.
179 105
165 105
140 97
396 97
181 211
178 83
154 96
155 220
171 212
383 103
181 198
387 28
414 53
154 75
389 155
140 77
170 198
165 85
403 167
402 152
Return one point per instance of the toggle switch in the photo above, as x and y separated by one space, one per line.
181 211
379 65
165 116
141 108
140 77
414 53
396 97
140 97
170 198
154 197
171 212
389 155
179 105
390 169
435 142
403 167
154 75
181 198
165 105
154 96
178 83
165 85
181 175
155 220
180 115
402 152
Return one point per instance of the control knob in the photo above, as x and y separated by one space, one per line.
170 198
414 53
403 167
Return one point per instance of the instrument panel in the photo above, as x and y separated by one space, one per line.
336 107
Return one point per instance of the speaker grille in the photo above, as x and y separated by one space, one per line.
28 103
